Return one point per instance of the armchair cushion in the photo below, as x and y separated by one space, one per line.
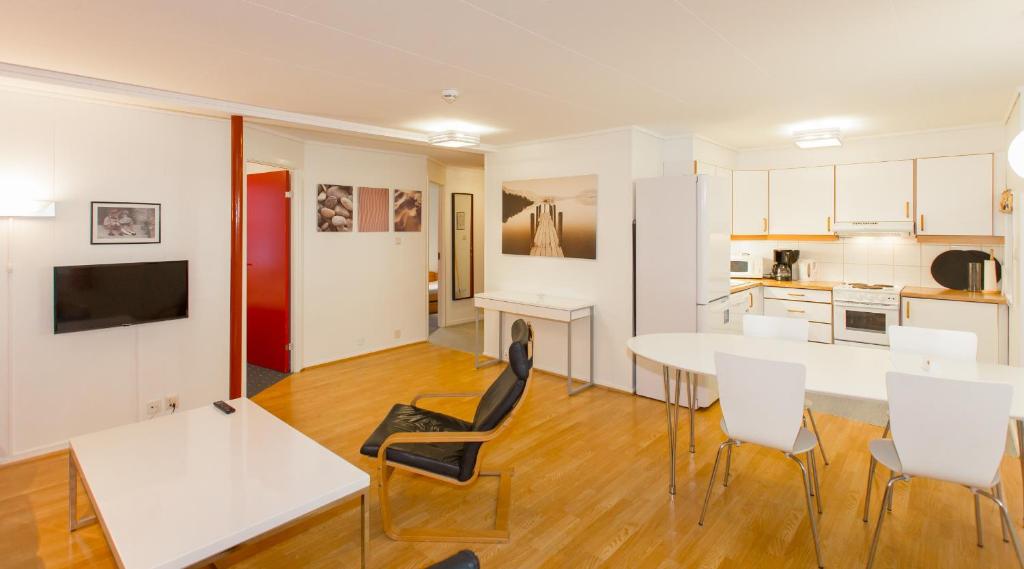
445 459
464 559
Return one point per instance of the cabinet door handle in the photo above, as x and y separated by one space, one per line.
750 300
828 224
795 294
764 222
922 222
794 311
906 209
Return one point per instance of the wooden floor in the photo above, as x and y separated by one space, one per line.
590 488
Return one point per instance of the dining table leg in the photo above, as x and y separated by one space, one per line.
1020 447
673 427
691 398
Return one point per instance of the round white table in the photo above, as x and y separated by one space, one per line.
832 369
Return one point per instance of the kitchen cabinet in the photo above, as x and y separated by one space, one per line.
988 321
748 301
954 195
750 202
801 201
709 168
876 191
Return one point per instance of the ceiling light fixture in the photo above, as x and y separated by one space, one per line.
819 138
1015 154
453 139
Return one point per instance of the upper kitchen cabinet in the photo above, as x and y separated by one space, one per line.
801 201
876 191
954 195
701 167
750 202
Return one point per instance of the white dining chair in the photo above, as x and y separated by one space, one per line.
930 343
796 329
762 403
948 430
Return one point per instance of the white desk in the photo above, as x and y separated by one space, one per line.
832 369
535 305
183 489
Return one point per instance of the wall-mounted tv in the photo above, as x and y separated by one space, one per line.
87 297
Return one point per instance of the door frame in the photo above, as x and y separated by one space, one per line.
442 281
295 271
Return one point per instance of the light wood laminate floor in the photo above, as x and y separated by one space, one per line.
590 487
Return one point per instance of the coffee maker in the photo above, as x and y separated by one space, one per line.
785 259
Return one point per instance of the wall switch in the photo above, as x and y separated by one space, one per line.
171 402
398 333
360 341
153 407
398 240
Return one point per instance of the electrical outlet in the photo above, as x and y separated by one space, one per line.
398 240
360 341
398 333
171 402
153 407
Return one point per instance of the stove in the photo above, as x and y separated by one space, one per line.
862 313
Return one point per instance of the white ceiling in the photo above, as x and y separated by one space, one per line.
737 72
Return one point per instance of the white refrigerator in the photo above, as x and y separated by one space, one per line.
682 226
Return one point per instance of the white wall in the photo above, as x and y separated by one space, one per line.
359 288
1015 125
712 153
76 152
607 280
463 181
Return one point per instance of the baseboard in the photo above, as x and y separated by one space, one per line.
37 453
363 354
449 322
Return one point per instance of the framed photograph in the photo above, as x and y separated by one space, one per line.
550 217
115 223
408 210
334 208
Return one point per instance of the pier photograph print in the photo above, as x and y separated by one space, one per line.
550 217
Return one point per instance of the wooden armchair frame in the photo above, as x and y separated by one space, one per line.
385 468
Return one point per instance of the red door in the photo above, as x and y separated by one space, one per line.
268 310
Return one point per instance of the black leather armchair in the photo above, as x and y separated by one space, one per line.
447 448
464 559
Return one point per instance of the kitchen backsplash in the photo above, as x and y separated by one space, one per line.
874 260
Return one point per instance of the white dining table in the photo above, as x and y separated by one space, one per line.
832 369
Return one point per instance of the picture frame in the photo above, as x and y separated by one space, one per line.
124 223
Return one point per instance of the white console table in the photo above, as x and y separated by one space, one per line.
535 305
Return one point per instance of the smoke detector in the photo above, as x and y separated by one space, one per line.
449 95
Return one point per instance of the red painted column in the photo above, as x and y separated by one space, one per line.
237 179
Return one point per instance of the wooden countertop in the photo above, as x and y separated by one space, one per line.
948 294
806 285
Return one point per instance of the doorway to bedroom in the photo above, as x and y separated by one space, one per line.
433 210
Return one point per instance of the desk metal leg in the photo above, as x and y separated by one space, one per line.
1020 447
568 377
73 521
691 397
477 349
673 428
364 511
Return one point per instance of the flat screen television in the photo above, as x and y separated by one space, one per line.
88 297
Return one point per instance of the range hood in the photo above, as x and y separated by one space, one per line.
843 228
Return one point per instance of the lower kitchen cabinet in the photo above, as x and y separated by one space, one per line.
750 301
988 321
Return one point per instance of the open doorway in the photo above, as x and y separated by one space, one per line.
433 257
268 277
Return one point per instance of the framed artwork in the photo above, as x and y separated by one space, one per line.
408 210
460 220
334 209
550 217
373 209
123 223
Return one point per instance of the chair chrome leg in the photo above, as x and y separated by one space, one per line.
711 482
814 476
1006 519
977 519
881 517
867 495
814 427
810 508
1002 522
728 465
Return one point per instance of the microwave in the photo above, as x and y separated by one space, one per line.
746 266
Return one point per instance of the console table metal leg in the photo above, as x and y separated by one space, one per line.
477 348
568 377
73 521
364 545
673 428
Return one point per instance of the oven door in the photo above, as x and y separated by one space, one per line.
864 324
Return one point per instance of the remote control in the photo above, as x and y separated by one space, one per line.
224 407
